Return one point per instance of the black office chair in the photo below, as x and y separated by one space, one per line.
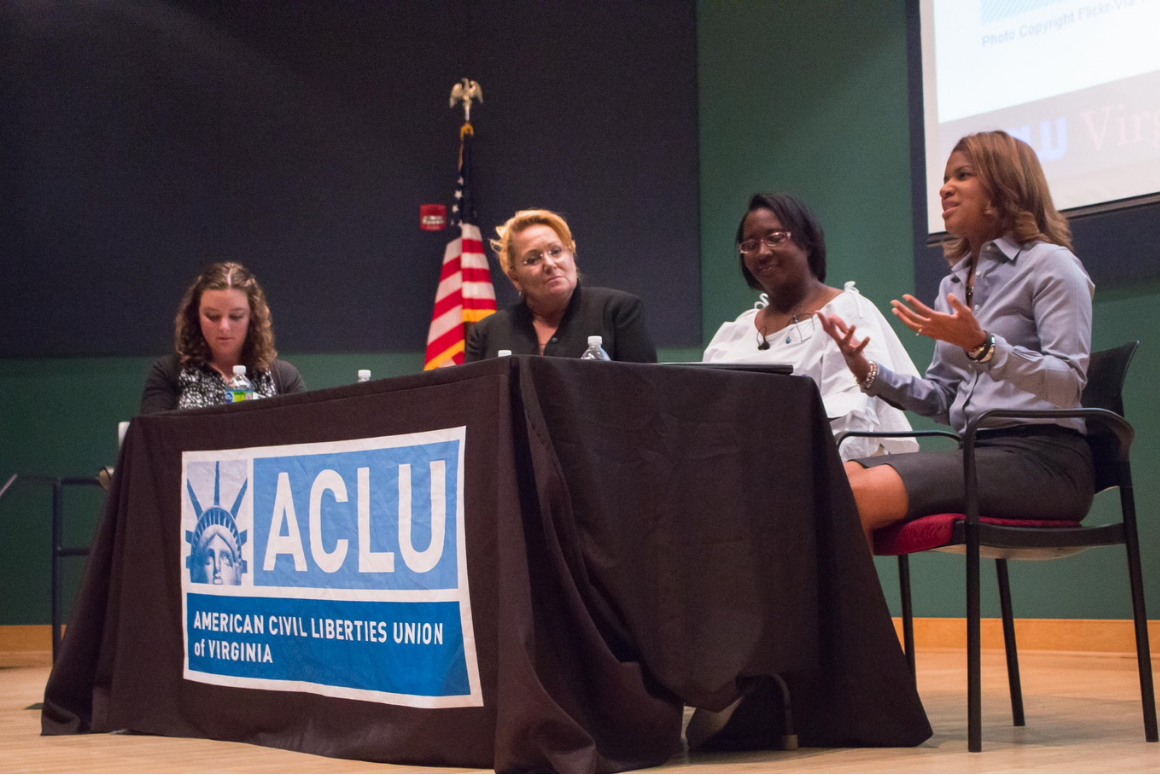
1110 437
59 550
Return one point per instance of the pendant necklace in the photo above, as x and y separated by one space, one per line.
763 340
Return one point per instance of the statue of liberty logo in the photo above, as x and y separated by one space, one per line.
215 555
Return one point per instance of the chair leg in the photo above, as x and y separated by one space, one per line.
57 544
1009 643
907 612
789 738
1136 579
974 677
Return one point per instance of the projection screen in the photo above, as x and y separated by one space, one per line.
1079 80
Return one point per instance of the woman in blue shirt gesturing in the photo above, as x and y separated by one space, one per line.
1012 329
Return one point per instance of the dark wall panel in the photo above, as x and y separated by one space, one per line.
140 140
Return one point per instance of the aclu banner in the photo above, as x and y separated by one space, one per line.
336 568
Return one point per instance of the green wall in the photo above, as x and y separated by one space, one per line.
811 98
808 97
59 416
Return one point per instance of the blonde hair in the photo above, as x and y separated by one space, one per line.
258 351
1020 200
506 234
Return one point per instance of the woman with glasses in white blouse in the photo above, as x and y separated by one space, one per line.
782 252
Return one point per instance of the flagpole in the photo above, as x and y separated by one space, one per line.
465 91
465 294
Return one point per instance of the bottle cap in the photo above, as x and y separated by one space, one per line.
504 353
240 369
364 373
595 341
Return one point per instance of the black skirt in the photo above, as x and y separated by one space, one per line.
1024 472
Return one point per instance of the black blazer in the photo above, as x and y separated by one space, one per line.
616 316
163 385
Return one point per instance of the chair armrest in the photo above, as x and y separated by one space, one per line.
1104 418
893 435
64 481
8 484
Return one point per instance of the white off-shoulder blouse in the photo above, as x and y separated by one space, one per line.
814 354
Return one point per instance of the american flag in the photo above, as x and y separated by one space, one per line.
465 294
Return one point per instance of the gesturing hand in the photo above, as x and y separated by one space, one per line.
850 347
958 328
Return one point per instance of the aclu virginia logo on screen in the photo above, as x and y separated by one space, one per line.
337 568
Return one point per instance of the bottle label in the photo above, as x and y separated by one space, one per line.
233 396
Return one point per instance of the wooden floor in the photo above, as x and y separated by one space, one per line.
1083 715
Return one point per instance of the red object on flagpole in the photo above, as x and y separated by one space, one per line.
465 294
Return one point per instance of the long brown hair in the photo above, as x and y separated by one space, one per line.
258 351
1020 199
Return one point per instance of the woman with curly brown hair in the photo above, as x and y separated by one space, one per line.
1012 326
223 321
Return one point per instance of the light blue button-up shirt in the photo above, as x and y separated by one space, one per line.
1036 300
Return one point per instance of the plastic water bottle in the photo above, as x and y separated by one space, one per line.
595 352
364 375
503 353
239 388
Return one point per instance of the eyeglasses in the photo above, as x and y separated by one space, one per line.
555 253
771 240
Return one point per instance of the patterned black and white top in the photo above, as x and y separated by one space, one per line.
173 386
205 386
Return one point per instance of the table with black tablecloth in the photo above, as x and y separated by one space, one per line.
638 538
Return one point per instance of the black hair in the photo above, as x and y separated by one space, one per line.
797 219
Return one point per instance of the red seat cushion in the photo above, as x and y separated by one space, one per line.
919 535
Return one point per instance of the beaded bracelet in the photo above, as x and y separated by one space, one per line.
872 375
